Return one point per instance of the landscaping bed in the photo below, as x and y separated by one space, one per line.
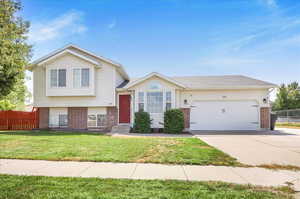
76 146
25 187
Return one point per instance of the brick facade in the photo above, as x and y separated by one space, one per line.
77 117
43 117
186 113
111 117
265 117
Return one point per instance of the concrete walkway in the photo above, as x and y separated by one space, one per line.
239 175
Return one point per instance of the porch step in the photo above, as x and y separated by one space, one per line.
121 128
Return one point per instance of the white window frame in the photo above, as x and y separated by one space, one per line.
162 108
59 121
141 101
57 78
80 77
168 101
54 116
96 115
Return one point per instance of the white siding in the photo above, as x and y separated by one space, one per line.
96 110
103 86
223 95
157 118
69 62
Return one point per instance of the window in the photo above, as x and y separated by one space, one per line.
141 101
96 120
168 100
155 102
58 78
58 117
62 120
81 77
154 85
101 120
92 122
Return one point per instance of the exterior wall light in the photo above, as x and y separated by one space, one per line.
265 100
185 101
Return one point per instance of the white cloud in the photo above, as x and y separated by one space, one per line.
61 26
112 24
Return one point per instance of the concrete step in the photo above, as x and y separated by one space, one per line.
121 129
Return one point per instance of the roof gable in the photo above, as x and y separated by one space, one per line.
154 74
68 51
83 54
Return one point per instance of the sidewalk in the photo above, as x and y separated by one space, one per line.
239 175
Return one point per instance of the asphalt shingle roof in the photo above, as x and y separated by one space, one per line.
218 82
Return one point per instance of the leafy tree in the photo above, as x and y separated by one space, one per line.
18 95
14 52
6 105
288 97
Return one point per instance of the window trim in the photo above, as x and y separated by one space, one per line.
141 102
162 103
168 101
96 126
66 114
57 77
80 77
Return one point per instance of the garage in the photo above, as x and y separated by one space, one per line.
224 115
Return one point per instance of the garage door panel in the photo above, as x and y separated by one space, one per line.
224 115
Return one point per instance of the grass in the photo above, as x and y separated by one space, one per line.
279 167
288 125
34 187
51 145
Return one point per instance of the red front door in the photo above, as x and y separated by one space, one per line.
124 108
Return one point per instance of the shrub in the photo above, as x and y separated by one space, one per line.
173 121
142 122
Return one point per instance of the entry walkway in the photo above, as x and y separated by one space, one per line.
239 175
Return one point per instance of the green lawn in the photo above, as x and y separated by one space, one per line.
50 145
33 187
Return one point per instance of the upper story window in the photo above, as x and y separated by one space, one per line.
81 77
58 78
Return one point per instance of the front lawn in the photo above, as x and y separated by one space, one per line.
50 145
29 187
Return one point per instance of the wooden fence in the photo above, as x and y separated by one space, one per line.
18 120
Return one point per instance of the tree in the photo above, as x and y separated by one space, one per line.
288 97
14 52
18 96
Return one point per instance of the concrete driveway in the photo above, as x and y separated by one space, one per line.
256 148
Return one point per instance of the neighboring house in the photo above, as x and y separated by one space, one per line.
77 89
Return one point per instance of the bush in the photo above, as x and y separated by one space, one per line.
173 121
142 122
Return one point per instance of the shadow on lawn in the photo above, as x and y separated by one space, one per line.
50 133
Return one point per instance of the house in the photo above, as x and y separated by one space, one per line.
74 88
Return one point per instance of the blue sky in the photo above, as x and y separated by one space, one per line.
258 38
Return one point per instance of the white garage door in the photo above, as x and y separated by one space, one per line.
224 115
